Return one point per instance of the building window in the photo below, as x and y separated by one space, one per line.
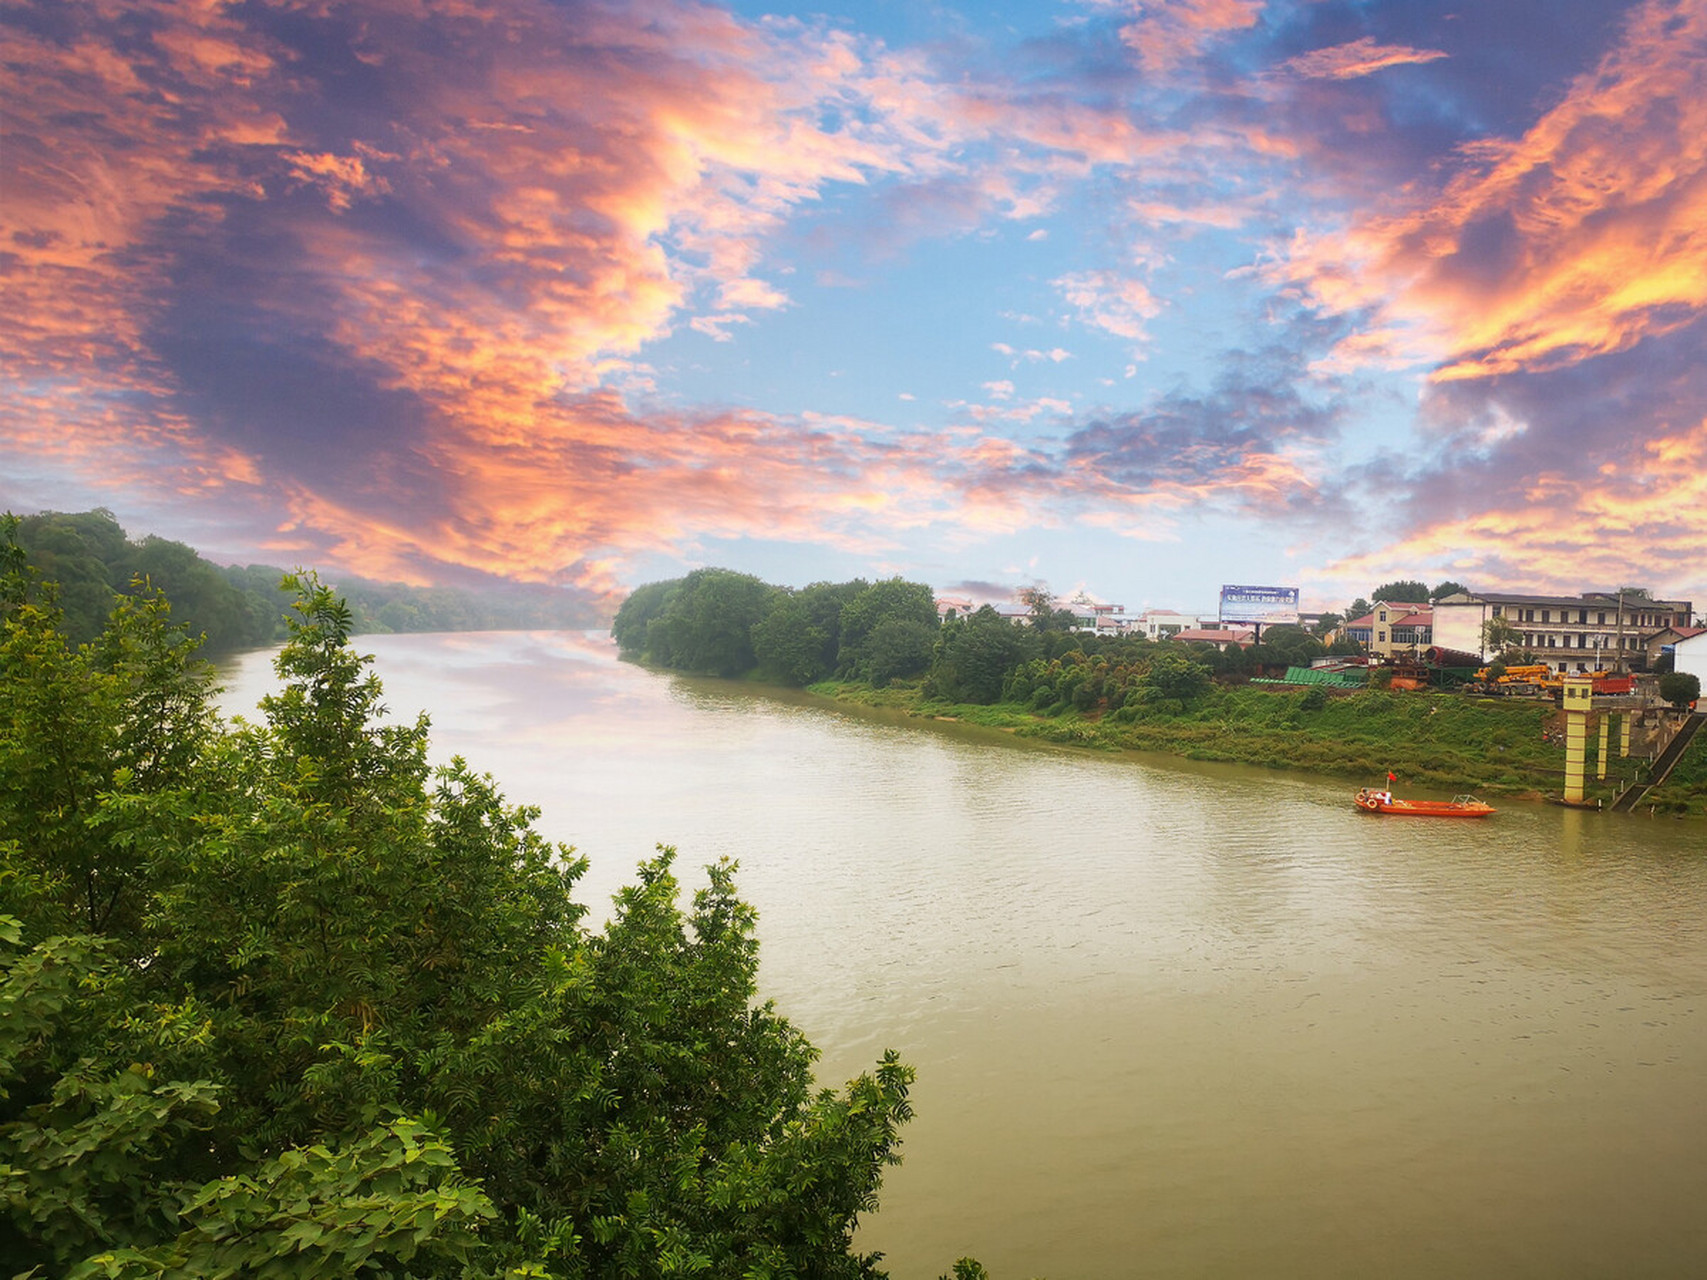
1602 618
1529 615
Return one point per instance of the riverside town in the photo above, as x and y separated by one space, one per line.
1587 700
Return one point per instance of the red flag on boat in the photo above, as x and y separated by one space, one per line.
1391 777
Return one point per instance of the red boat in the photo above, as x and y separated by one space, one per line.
1372 801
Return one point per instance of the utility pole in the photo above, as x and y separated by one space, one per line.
1620 667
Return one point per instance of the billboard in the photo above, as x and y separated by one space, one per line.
1263 605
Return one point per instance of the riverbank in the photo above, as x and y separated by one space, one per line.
1446 743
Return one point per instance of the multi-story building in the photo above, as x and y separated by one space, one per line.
1393 627
1598 631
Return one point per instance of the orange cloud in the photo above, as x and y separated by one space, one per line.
1578 239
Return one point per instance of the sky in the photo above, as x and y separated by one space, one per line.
1134 297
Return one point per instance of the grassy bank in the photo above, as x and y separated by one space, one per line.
1434 743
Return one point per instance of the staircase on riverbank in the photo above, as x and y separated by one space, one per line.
1632 795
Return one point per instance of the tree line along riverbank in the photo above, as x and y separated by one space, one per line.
93 561
881 644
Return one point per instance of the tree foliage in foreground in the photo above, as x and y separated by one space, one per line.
281 999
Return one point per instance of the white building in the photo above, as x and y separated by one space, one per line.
1593 632
1158 624
1690 655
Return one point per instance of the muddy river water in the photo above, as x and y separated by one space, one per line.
1169 1019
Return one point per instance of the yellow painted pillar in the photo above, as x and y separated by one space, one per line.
1605 737
1579 693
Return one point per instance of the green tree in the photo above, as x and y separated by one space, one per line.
218 609
1047 614
1407 590
707 623
788 646
824 603
83 554
89 558
1680 688
892 600
974 657
1175 676
1039 602
1499 635
1447 588
1358 608
345 1017
131 709
1290 646
896 649
636 613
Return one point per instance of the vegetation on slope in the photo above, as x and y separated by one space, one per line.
1685 790
1430 742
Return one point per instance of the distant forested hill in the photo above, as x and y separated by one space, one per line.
91 557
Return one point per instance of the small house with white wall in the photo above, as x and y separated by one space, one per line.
1689 654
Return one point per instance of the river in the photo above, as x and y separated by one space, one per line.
1169 1019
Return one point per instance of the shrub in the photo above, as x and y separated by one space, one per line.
1680 688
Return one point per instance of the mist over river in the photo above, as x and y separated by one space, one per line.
1169 1019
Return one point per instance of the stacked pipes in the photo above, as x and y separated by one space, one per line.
1435 656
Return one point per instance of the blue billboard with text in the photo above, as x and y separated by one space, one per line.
1262 605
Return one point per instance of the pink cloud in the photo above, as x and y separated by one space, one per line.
1358 58
1114 303
1166 34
